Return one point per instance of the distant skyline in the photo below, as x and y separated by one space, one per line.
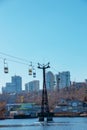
44 31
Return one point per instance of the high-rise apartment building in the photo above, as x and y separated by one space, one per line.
10 88
63 79
32 86
15 86
50 80
17 81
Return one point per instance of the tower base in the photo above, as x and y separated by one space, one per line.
49 119
41 119
48 116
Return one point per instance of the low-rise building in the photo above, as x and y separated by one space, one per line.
26 109
71 106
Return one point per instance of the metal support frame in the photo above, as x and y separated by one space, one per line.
45 113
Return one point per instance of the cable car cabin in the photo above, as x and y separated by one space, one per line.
5 66
34 74
6 70
30 71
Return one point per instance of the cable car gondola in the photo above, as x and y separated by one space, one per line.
30 69
5 66
34 73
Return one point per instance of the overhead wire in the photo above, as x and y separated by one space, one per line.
54 69
7 55
17 60
14 61
20 60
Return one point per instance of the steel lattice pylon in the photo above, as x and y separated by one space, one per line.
45 113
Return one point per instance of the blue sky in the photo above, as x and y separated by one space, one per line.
44 31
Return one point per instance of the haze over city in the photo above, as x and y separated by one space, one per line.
43 31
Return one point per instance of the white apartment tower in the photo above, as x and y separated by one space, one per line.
64 79
50 80
32 86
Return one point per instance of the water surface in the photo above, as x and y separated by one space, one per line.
33 124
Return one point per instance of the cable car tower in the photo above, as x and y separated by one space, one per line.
45 112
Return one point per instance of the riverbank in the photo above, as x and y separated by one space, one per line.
70 114
59 114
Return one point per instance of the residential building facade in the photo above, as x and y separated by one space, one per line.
50 81
32 86
15 86
63 79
